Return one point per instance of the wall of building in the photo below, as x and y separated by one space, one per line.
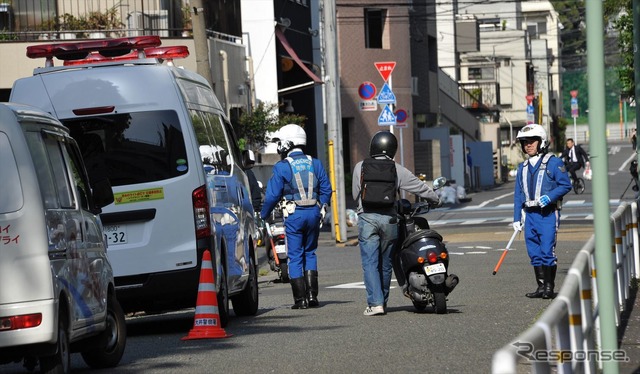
357 66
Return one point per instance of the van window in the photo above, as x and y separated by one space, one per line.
78 176
43 170
10 187
61 177
134 148
210 132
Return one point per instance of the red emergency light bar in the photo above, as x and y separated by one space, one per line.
165 53
80 50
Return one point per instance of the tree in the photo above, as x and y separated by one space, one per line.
573 33
254 127
620 11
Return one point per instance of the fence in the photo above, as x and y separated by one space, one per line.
567 333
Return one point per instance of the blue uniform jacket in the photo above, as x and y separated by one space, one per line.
282 174
555 184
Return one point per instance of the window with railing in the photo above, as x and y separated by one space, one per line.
25 20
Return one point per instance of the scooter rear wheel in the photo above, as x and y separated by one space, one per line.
440 302
284 271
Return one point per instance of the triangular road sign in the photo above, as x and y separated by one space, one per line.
385 68
386 96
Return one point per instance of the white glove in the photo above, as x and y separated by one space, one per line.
323 213
517 226
544 201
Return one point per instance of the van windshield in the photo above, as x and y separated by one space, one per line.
10 187
131 148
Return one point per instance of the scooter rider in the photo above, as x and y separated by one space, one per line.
377 222
541 182
302 181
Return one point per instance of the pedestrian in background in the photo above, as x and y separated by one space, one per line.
302 182
376 182
541 182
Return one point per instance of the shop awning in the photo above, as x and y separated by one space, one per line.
314 78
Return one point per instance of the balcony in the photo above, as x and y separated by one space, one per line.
480 98
29 20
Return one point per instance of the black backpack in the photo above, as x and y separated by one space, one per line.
378 184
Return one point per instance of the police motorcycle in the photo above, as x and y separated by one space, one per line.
275 243
421 263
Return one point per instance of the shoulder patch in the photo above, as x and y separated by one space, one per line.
562 168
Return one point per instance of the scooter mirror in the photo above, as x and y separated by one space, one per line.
439 182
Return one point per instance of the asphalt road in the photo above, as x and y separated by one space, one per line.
485 311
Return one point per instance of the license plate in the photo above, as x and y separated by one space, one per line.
115 234
435 269
281 248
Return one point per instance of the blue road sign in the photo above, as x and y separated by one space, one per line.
386 117
386 96
367 90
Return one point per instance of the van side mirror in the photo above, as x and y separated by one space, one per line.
102 193
248 159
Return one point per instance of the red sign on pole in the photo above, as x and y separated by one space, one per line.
574 93
385 68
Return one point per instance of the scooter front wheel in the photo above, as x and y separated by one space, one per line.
419 307
440 302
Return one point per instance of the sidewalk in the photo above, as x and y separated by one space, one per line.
629 334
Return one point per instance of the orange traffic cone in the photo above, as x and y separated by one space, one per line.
207 320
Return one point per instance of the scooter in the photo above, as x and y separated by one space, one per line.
276 245
421 263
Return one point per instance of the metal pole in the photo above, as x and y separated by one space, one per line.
334 114
599 162
575 131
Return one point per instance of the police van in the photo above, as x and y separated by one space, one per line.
145 120
57 292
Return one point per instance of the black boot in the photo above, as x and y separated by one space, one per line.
549 281
299 293
311 279
540 280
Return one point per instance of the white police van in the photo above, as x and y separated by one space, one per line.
57 292
145 119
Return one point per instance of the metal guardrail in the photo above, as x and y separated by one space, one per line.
566 335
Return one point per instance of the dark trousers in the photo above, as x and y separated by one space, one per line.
572 167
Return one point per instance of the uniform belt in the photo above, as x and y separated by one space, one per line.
536 208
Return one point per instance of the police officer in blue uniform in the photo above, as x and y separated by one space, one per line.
541 182
303 184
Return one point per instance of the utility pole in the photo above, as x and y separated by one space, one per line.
599 160
334 114
200 40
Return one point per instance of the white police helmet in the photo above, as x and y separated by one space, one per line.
289 137
533 131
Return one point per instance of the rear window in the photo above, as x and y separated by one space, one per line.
10 187
132 147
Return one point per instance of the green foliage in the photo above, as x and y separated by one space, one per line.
572 14
252 128
108 20
624 26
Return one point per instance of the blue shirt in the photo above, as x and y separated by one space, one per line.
282 175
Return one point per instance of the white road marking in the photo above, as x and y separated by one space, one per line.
473 221
355 285
477 253
625 165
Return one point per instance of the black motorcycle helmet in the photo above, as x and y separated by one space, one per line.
383 143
